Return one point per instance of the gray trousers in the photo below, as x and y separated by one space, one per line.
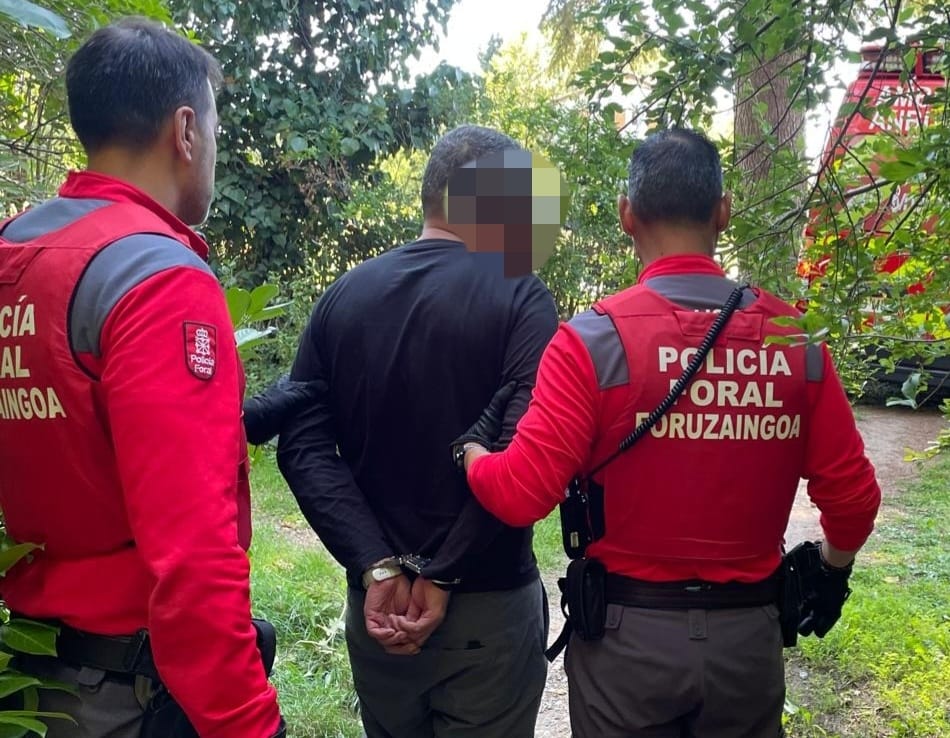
104 708
480 674
679 674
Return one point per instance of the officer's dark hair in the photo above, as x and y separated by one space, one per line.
457 147
675 176
128 77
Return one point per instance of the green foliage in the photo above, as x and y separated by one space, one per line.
890 653
248 310
938 445
314 93
19 635
28 14
37 145
301 589
713 50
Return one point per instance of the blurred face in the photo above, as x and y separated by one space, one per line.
512 202
198 187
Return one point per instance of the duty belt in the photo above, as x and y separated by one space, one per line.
685 595
119 654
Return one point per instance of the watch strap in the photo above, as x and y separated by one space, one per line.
382 570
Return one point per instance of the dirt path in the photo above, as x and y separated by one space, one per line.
886 431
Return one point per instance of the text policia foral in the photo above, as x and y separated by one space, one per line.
731 378
22 402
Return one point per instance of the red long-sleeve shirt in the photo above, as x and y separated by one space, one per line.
137 489
561 435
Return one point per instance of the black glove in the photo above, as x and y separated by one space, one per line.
487 429
828 592
266 413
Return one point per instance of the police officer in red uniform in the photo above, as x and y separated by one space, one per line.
121 444
695 511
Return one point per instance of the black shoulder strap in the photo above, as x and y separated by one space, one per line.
732 302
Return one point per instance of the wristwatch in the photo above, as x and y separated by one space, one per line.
381 571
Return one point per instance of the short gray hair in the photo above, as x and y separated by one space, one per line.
457 147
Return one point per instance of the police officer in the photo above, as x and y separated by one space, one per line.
121 444
695 511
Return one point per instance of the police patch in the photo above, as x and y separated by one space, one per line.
201 347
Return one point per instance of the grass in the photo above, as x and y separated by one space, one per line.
301 589
884 670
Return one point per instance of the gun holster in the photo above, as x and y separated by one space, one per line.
800 567
585 596
164 717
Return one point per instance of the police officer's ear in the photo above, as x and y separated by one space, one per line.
185 132
627 218
723 212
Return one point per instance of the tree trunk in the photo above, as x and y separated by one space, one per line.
769 136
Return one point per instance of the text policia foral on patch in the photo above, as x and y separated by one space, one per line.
732 378
25 402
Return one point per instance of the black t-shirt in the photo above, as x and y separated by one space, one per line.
412 345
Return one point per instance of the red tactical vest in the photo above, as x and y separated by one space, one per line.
59 483
716 476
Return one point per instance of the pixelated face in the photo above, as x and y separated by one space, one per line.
512 202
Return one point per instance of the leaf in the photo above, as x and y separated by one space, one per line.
238 300
247 337
9 556
12 731
30 637
272 311
298 144
27 719
898 171
911 386
349 146
23 721
895 401
260 296
787 321
29 14
11 683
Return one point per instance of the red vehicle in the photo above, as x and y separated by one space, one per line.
891 97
